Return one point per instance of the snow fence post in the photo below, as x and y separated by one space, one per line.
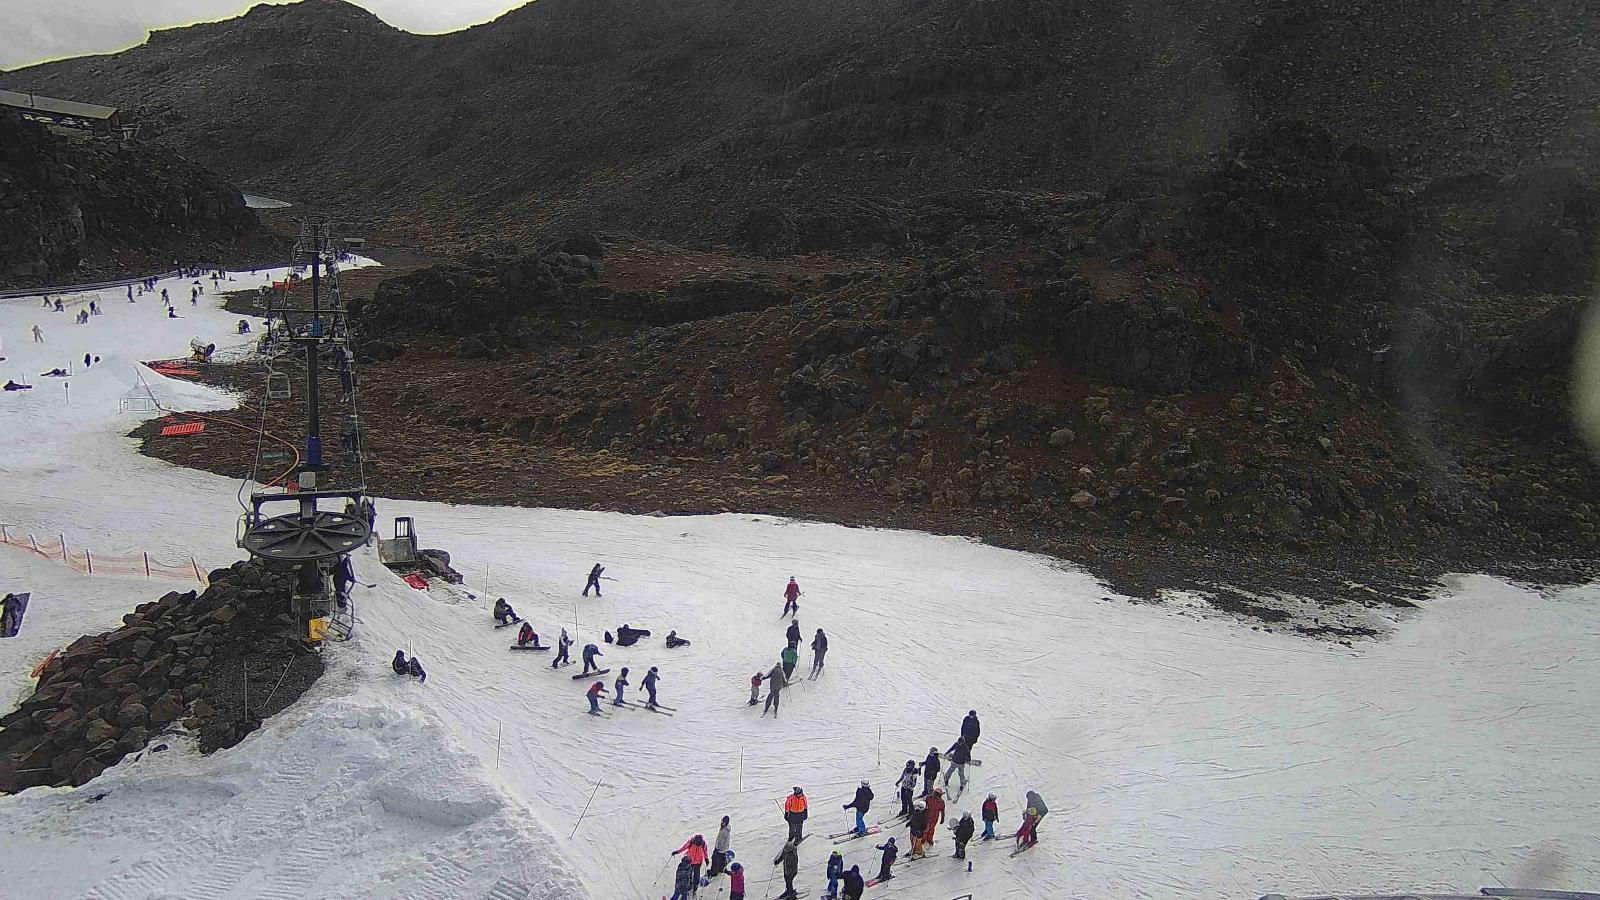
741 770
880 745
146 563
88 560
64 548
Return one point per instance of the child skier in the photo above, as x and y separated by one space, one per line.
991 815
755 689
685 882
964 830
736 881
890 851
789 858
594 697
791 599
930 771
621 682
835 872
650 679
919 825
562 643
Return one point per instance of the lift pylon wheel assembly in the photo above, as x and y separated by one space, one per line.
299 538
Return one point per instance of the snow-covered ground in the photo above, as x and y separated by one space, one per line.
1182 755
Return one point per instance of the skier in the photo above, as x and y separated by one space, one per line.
970 729
819 649
991 815
88 360
526 635
1035 801
861 803
794 812
890 851
919 825
685 882
834 873
594 697
562 644
1028 834
935 814
503 613
594 580
736 881
908 786
964 830
789 857
960 755
38 336
590 651
694 853
791 658
791 598
621 682
930 771
650 679
399 664
793 634
417 672
674 642
165 300
854 884
775 685
719 850
755 689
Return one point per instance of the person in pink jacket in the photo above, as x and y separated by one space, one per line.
695 849
791 598
736 881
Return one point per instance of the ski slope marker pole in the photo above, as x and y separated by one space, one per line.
880 745
741 770
585 810
497 728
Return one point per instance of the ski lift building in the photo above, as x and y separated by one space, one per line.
64 113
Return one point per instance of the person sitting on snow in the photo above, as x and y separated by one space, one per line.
15 386
526 636
55 373
416 671
627 637
503 613
674 642
399 664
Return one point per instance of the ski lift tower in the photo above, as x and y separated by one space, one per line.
308 539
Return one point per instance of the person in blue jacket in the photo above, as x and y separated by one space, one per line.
590 651
835 872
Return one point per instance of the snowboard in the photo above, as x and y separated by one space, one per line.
527 647
508 624
595 673
851 834
22 609
970 762
798 892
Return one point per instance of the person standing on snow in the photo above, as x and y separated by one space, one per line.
719 850
793 634
590 651
835 871
935 814
1028 834
890 852
930 771
919 825
861 804
562 644
795 812
819 649
960 755
684 882
38 336
791 599
736 881
621 682
1037 803
775 685
908 786
790 658
344 575
964 830
755 689
970 728
694 853
650 679
991 815
594 580
594 697
789 858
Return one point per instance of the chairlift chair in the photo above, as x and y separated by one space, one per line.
278 386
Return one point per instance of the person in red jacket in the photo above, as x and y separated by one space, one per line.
991 815
935 814
736 881
695 850
791 598
594 697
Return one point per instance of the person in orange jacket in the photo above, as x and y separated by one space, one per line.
794 812
935 814
694 849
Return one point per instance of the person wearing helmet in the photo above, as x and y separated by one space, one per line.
819 649
685 882
991 815
908 786
930 771
890 852
791 599
919 827
964 830
854 884
653 675
694 852
861 803
834 873
736 881
794 812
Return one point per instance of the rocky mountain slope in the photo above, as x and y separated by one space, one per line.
72 209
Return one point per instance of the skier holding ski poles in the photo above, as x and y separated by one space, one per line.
791 598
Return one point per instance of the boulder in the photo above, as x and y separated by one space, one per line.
1062 437
134 713
100 731
1083 500
164 710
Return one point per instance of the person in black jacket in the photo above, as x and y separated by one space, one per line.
919 825
819 649
854 884
890 851
834 873
964 830
861 803
960 755
594 580
970 729
789 857
627 637
684 884
401 667
930 771
793 634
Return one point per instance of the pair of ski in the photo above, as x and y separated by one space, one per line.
630 704
852 834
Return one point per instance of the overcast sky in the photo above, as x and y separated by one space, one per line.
37 30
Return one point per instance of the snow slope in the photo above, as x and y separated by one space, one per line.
1182 755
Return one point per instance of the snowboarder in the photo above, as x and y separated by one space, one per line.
674 642
775 684
930 771
1036 802
59 306
594 580
755 689
835 871
791 599
417 671
794 812
854 884
789 858
819 649
590 651
964 830
736 881
685 882
10 611
991 815
650 679
1028 834
791 658
88 360
719 850
130 293
627 637
919 825
694 853
970 729
399 664
172 313
620 683
503 613
526 636
960 755
594 697
562 645
890 852
861 804
908 786
793 634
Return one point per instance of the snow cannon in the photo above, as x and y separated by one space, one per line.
200 351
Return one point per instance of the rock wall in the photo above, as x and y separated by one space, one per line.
178 662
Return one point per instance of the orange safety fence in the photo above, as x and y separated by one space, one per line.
88 562
185 428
